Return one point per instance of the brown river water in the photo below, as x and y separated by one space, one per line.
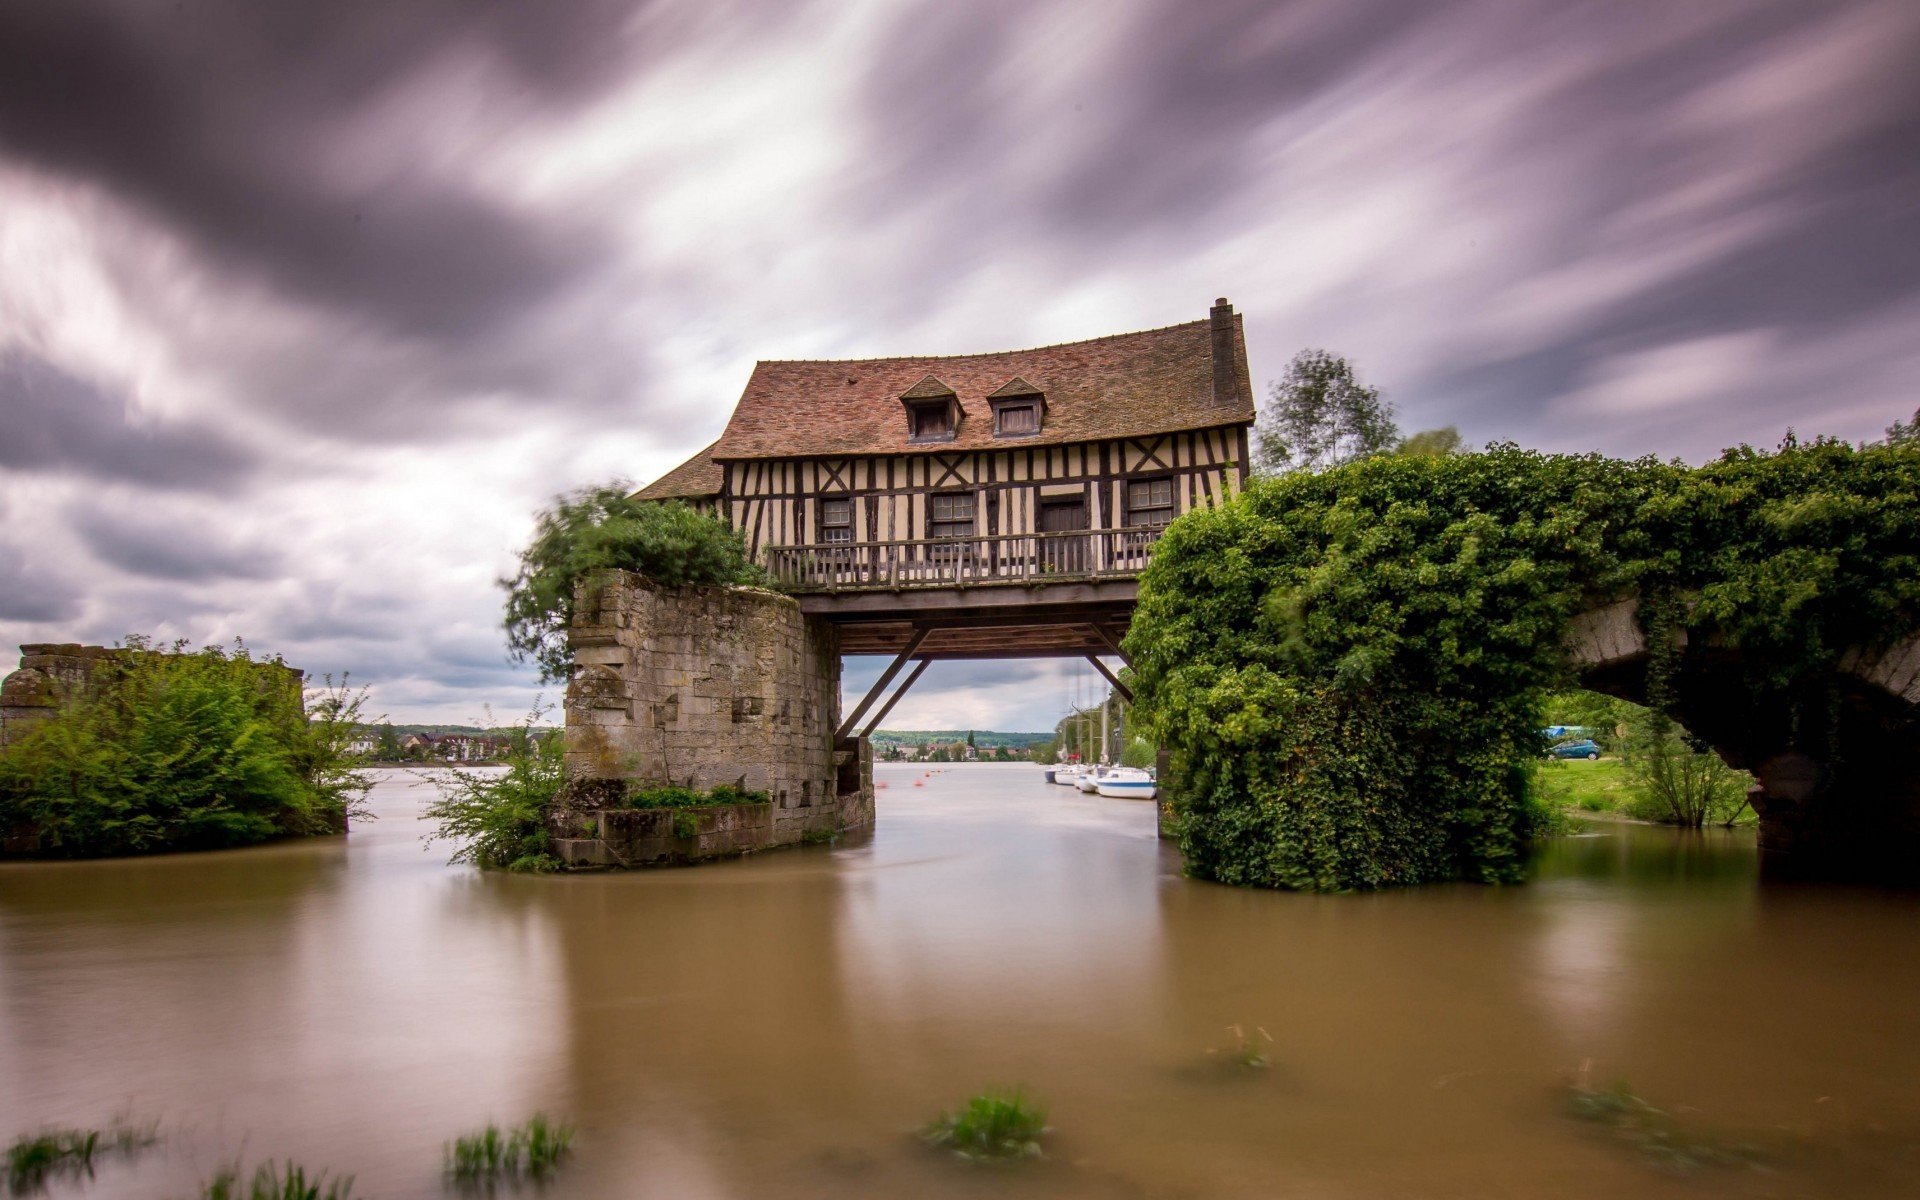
778 1026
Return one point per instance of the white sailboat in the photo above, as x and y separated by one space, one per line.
1127 783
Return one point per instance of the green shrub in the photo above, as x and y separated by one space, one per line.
675 796
498 819
993 1126
534 1150
1348 668
173 749
602 527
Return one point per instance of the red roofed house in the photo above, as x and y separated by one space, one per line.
896 495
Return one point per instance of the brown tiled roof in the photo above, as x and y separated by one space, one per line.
1126 385
697 477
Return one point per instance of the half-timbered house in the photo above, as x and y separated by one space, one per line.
1025 467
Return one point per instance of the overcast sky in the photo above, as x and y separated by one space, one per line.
306 307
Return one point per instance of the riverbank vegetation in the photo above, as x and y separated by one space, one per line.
1349 667
179 749
497 819
1652 769
994 1126
603 527
532 1150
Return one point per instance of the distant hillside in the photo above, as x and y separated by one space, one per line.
981 737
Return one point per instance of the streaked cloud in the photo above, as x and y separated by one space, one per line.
303 309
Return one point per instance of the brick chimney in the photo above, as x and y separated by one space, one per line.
1226 372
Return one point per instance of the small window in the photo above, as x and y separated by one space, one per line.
950 515
836 519
930 421
1150 502
1019 418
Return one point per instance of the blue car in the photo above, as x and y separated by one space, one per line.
1584 748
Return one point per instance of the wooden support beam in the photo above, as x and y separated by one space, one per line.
880 685
1113 647
1126 693
918 670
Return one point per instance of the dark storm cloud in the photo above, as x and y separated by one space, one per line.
29 593
52 422
195 550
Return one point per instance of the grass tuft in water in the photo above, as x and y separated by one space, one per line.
275 1181
1662 1138
34 1158
535 1149
1247 1051
994 1126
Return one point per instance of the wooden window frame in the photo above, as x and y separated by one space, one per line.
973 515
917 409
1002 408
822 525
1129 509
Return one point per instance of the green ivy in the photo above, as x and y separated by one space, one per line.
1347 667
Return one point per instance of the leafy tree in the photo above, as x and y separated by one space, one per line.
602 527
1320 415
1676 779
177 749
389 746
1905 433
1432 443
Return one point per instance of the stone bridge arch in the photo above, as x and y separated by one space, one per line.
1852 811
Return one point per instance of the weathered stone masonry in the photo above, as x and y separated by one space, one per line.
51 675
702 687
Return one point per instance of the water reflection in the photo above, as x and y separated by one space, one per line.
778 1026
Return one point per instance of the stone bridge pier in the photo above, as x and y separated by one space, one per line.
702 687
1841 802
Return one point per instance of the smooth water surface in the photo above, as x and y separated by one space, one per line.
779 1026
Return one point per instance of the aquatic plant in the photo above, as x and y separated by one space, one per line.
498 819
273 1181
534 1150
1658 1135
994 1126
1246 1051
34 1158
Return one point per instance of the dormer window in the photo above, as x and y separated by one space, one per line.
929 422
933 411
1017 409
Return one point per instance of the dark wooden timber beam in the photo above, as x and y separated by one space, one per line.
963 599
1113 647
1126 693
919 669
880 685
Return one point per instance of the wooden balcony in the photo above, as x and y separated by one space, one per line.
1033 559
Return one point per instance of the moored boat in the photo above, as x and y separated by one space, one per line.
1128 783
1089 779
1065 776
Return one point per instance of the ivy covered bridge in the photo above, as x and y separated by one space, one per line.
1849 808
1348 667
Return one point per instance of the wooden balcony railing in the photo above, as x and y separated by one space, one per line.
950 562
